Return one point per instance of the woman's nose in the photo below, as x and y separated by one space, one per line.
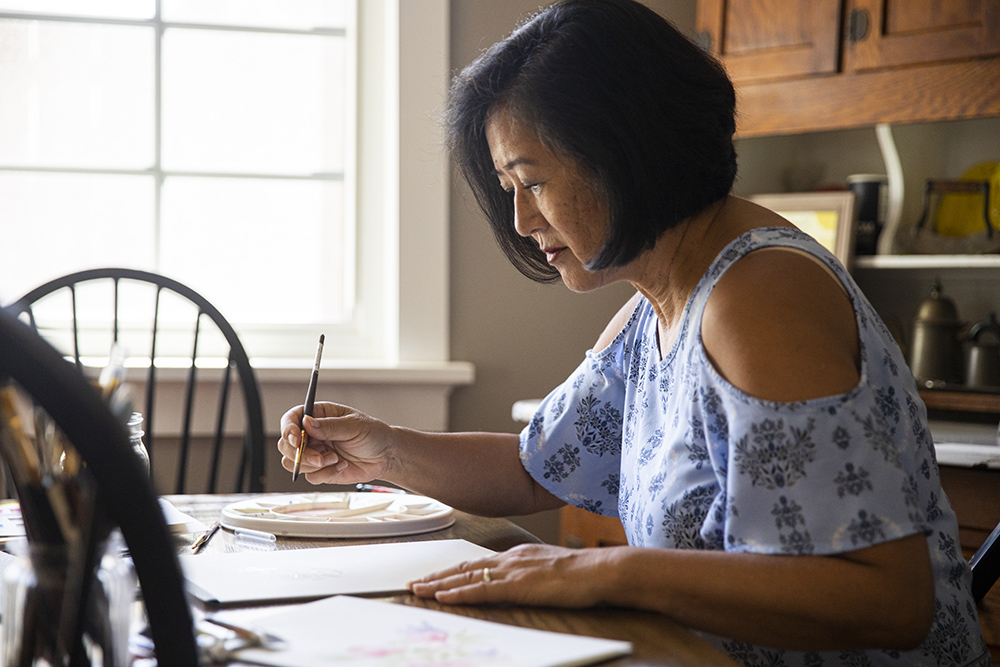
527 219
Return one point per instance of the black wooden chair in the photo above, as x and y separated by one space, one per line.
173 327
131 502
985 565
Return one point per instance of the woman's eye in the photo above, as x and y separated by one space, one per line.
534 187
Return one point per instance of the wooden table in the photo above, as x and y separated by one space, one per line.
657 641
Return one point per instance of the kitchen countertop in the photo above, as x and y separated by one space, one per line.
966 445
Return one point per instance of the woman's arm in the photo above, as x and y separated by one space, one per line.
475 472
778 327
877 597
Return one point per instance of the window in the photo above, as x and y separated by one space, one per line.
249 149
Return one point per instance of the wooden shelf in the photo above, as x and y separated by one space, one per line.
927 262
928 93
961 401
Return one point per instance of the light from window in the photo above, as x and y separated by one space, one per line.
202 139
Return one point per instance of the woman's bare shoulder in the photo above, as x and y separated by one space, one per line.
779 326
617 323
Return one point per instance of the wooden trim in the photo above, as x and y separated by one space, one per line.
961 401
947 91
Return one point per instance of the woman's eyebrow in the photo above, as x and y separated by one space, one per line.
515 162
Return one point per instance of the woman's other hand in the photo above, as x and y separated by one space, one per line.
529 574
344 446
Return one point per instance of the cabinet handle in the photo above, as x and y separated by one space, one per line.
858 23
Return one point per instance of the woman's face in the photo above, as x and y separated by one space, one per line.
553 203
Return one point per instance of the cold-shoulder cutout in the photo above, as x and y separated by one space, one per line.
780 326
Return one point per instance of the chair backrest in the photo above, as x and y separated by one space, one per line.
985 565
173 327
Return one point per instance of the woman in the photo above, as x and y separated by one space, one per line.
746 414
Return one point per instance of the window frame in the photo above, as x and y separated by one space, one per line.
397 195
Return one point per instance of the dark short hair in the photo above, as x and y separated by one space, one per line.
648 115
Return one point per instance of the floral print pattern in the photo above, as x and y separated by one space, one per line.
686 460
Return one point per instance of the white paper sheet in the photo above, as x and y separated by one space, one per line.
298 574
178 522
12 525
354 632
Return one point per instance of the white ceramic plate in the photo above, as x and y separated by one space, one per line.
344 514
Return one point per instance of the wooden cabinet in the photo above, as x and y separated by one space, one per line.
802 65
895 33
800 37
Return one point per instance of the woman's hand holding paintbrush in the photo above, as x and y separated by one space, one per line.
345 446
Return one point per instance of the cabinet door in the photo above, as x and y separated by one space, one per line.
891 33
760 40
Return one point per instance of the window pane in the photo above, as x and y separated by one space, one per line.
252 102
74 95
262 251
294 14
53 224
122 9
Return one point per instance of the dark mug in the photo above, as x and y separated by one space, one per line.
870 200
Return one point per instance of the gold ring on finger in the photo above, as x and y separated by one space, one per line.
486 575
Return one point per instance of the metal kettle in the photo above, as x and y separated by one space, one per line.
936 353
983 367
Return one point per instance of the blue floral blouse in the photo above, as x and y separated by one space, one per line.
688 461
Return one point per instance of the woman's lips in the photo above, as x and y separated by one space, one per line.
551 254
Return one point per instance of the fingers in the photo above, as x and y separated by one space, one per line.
292 421
314 456
468 583
343 446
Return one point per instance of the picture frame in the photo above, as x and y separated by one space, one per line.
829 217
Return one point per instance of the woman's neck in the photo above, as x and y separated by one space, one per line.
667 273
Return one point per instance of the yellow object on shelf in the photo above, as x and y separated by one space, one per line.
963 214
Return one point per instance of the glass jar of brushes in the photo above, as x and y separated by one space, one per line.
55 612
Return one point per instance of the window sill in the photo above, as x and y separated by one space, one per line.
451 373
412 394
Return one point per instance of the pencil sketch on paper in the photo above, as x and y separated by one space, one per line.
357 632
422 645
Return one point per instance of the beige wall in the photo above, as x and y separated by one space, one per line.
525 338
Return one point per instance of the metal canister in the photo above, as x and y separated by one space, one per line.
936 353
